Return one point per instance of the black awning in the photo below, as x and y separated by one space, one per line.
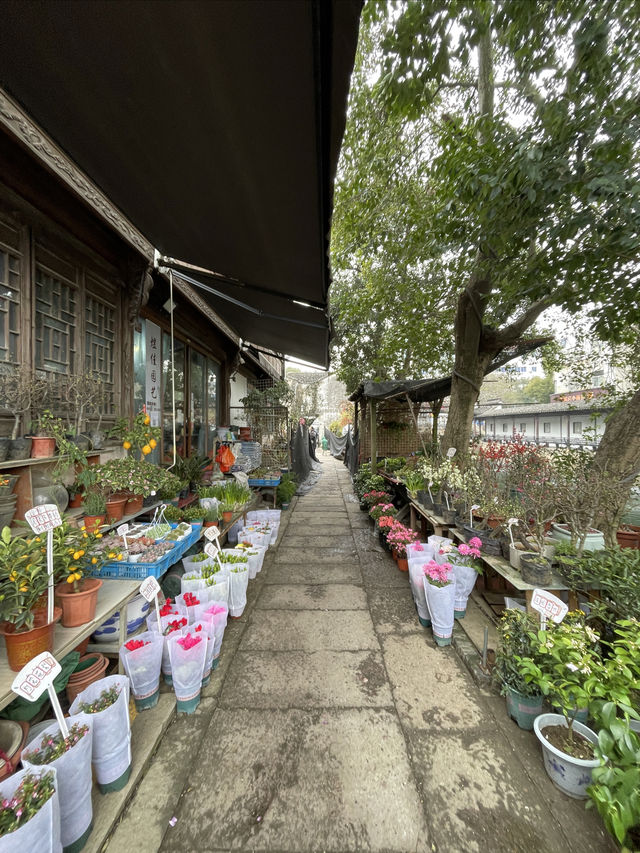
429 390
214 126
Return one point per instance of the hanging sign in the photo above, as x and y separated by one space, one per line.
36 677
549 606
149 589
153 371
43 519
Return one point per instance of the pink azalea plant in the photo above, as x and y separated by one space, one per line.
374 497
438 574
386 522
464 554
400 536
381 509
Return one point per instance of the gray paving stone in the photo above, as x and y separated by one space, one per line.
311 630
312 597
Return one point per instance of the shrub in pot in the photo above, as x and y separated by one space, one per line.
524 699
566 668
95 508
399 537
23 606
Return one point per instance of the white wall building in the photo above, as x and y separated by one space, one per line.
561 423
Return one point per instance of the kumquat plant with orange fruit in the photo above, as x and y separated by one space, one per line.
138 435
23 578
77 552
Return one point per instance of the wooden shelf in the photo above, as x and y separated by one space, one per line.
41 460
113 595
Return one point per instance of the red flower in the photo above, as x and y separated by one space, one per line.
189 642
190 600
175 625
132 645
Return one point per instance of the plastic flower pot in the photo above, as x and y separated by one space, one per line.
571 775
42 832
440 602
535 569
134 504
22 646
187 656
89 668
227 515
523 709
142 665
93 521
465 580
74 786
79 607
403 564
514 556
19 448
417 588
111 743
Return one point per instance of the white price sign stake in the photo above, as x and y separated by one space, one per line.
36 677
213 550
511 523
43 519
212 533
122 531
451 452
429 490
474 507
149 589
549 606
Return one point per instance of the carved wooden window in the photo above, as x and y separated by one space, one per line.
100 329
10 283
56 318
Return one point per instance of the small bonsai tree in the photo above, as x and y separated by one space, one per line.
21 388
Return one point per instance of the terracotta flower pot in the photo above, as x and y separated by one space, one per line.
629 537
92 521
76 500
13 735
78 608
403 564
22 646
134 504
84 674
226 517
211 524
115 508
42 447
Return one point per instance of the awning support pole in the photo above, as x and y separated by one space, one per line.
374 436
173 373
415 423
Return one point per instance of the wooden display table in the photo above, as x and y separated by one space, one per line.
113 595
503 568
439 525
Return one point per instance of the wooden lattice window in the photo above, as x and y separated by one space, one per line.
56 318
9 305
100 322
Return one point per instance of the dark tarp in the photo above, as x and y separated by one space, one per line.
352 452
305 466
428 390
337 444
214 126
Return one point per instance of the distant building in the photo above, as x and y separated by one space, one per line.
578 422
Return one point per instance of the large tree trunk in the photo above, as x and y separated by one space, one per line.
618 456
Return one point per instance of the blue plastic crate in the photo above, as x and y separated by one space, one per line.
257 482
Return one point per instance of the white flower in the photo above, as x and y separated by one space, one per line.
572 667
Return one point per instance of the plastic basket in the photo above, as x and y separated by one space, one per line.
254 482
140 571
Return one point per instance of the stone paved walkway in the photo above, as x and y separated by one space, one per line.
335 724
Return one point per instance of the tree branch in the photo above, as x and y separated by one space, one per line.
510 334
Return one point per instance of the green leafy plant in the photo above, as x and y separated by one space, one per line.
173 513
193 513
52 746
190 469
615 789
137 434
515 631
23 577
287 488
212 515
414 481
94 503
105 700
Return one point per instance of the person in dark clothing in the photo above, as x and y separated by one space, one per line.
313 435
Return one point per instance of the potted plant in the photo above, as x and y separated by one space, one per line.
399 537
43 443
95 508
105 704
414 481
71 758
385 524
466 568
440 590
380 509
23 603
286 490
21 388
137 434
211 517
567 668
524 699
142 660
75 554
187 655
226 508
29 818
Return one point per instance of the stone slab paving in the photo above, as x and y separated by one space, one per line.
335 724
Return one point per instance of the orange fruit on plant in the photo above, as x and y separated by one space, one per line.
153 443
126 445
146 450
